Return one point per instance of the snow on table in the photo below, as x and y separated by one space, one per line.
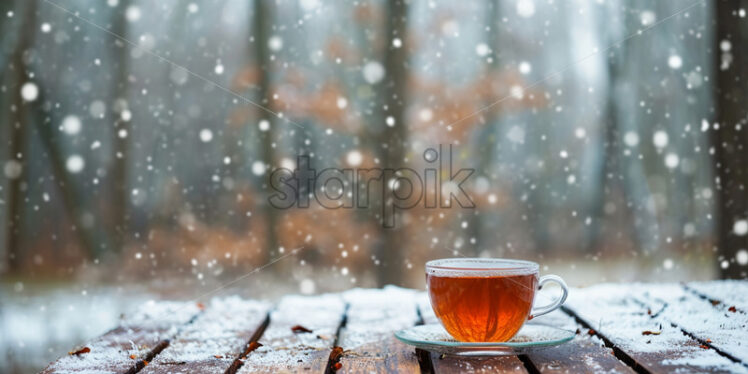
300 336
639 333
712 324
732 292
214 340
644 328
584 353
373 317
138 338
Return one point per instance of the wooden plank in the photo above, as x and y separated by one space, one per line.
137 338
214 340
367 338
286 351
717 325
458 364
639 335
729 292
585 353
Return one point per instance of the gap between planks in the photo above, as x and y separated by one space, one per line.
238 363
702 341
714 299
423 357
140 329
618 352
232 369
333 359
644 300
141 363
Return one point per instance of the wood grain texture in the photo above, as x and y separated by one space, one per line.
367 339
120 350
585 353
658 328
714 324
286 351
214 340
639 335
728 292
458 364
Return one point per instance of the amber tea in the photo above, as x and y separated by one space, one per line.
485 300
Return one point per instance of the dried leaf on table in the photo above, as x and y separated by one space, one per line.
298 329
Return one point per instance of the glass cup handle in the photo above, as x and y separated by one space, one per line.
539 311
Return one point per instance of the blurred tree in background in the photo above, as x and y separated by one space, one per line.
140 136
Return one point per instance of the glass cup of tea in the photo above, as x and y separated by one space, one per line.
486 299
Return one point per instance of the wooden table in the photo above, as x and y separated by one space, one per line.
694 327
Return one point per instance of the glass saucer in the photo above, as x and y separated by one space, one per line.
434 338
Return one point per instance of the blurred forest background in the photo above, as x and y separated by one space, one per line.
136 140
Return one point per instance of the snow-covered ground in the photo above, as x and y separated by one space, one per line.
39 325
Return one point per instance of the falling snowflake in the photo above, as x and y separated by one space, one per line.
275 43
12 169
97 109
647 17
342 103
258 168
307 286
354 158
740 227
525 67
71 125
482 49
675 62
132 13
525 8
672 160
425 114
75 164
373 72
631 139
206 135
742 257
29 91
667 264
660 139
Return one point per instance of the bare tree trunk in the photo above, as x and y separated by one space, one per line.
262 25
121 85
393 139
92 239
730 141
486 146
18 119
